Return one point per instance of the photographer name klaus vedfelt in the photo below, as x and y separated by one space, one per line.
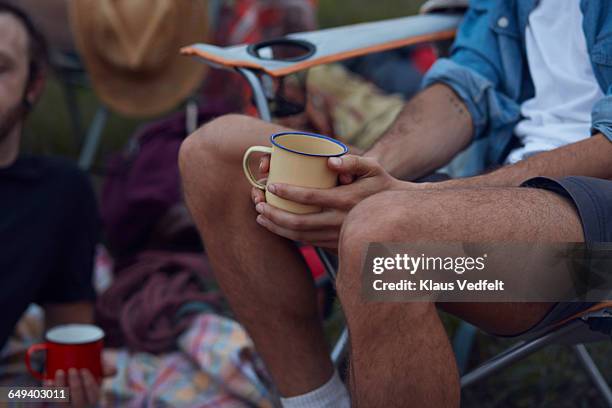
480 285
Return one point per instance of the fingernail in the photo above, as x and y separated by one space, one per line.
259 219
272 188
260 208
335 161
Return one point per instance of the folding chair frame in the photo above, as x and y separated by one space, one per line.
528 347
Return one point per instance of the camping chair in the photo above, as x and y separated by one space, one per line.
72 75
258 65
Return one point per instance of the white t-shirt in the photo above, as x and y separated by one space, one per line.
565 86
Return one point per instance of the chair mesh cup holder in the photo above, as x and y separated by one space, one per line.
601 322
286 50
290 50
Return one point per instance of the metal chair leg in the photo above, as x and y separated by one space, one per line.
515 353
340 348
92 141
261 102
191 115
329 267
593 372
74 112
462 345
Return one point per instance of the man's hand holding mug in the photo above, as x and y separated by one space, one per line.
74 360
301 199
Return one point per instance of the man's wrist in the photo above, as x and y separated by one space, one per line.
468 182
400 170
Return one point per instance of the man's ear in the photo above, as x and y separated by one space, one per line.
35 89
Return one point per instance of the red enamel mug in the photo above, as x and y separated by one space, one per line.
70 346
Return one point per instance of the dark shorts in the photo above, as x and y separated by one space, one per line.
593 201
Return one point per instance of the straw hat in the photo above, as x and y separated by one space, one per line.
131 51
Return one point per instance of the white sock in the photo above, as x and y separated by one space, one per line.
332 394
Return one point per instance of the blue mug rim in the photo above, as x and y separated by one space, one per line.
337 142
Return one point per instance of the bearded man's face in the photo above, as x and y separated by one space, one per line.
14 68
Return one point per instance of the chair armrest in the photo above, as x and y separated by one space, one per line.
335 44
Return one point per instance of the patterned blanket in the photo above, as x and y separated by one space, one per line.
215 367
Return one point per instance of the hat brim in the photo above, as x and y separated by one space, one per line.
138 94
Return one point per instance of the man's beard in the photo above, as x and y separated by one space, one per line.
12 118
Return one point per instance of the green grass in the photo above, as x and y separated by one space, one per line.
552 377
334 13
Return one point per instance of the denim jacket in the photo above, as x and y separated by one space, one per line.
488 67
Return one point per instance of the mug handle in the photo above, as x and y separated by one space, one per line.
247 170
31 350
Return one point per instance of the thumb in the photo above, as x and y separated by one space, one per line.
264 164
109 363
353 165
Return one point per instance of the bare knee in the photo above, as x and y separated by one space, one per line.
373 220
214 149
386 217
206 160
380 218
364 224
212 140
